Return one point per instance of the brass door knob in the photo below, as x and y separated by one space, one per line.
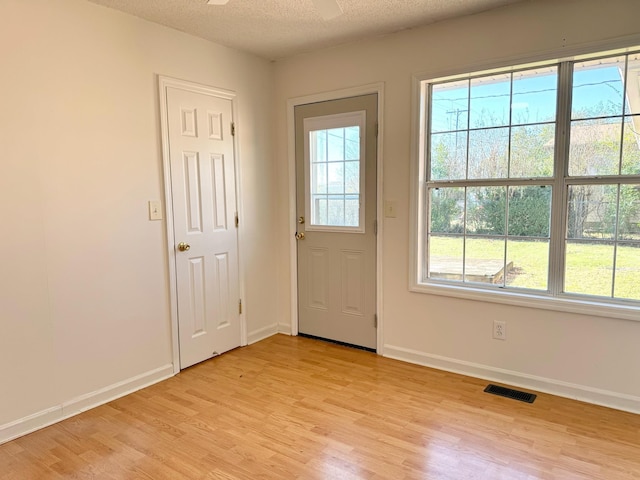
183 247
300 236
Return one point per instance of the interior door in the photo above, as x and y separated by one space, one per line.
203 184
336 213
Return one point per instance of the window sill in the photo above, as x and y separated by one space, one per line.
528 300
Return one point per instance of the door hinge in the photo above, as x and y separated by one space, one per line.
375 320
375 227
233 129
240 306
237 220
376 129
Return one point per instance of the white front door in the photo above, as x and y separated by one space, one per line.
203 189
336 151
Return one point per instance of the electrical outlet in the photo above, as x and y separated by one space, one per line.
499 330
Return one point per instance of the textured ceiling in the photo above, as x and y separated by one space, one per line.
276 29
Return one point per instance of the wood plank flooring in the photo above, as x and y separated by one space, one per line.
291 407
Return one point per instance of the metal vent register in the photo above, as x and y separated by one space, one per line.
510 393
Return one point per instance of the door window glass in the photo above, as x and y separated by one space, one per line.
334 150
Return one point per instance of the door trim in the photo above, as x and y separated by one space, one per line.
164 83
377 88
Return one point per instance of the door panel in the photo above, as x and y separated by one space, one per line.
204 204
336 207
317 286
353 283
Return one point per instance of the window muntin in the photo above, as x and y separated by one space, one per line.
605 112
495 180
504 136
335 178
479 128
487 235
602 234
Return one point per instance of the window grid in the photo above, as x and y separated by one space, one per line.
560 180
322 158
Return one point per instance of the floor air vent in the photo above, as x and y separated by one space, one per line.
510 393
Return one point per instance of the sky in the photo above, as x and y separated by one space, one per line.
485 101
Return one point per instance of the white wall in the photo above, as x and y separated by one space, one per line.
84 302
575 355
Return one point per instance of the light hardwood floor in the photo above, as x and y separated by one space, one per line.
290 407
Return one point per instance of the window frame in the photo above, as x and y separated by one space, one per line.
327 122
554 298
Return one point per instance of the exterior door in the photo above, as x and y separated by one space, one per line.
336 214
203 187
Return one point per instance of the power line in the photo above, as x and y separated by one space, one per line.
460 99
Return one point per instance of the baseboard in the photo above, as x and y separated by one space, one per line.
263 333
44 418
284 328
605 398
31 423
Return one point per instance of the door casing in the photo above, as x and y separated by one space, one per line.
163 84
377 88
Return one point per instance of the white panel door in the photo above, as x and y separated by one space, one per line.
203 187
336 209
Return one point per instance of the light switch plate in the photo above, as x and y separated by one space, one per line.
390 208
155 210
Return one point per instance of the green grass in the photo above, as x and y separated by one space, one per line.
589 268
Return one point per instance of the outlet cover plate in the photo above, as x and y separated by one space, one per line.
499 330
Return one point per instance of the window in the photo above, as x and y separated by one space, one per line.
530 181
335 162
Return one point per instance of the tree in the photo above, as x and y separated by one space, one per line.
596 210
446 210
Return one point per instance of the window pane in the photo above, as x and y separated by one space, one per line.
319 210
589 268
490 101
532 149
449 106
484 260
631 146
486 210
319 178
597 88
352 143
592 211
447 210
629 213
319 139
351 211
534 96
335 182
352 177
352 134
488 153
335 138
627 282
445 257
528 263
529 211
448 156
336 211
595 147
336 177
